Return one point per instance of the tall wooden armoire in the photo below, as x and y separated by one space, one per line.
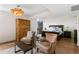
22 27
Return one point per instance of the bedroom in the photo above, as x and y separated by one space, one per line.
52 14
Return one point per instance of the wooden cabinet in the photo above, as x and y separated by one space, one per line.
22 26
67 34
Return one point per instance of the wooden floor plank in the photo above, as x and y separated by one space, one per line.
64 46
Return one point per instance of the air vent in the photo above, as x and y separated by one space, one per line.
75 8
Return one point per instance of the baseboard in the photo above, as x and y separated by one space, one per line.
7 42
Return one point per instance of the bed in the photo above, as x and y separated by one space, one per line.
55 28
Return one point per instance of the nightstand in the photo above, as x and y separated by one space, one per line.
67 34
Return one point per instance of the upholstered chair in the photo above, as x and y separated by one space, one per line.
27 38
26 46
48 44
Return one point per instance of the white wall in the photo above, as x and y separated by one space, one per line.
8 26
33 24
70 23
67 22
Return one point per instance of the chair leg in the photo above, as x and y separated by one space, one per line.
24 52
54 52
32 51
15 49
37 50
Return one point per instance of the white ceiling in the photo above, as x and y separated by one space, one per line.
53 10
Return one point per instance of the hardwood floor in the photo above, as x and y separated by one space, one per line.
6 45
64 46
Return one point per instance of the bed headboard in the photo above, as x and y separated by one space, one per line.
60 26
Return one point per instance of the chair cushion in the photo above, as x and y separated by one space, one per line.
51 37
26 40
43 46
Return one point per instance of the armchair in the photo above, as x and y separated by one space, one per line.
48 44
24 46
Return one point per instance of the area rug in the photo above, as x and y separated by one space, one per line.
12 51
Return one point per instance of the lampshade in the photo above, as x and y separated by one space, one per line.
17 11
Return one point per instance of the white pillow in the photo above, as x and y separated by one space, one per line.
51 28
25 40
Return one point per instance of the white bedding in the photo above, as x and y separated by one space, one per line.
55 29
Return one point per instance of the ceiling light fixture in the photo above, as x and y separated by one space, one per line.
18 11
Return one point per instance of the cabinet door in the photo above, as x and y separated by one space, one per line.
22 27
67 34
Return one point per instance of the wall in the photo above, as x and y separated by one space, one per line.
33 24
34 21
70 23
8 26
